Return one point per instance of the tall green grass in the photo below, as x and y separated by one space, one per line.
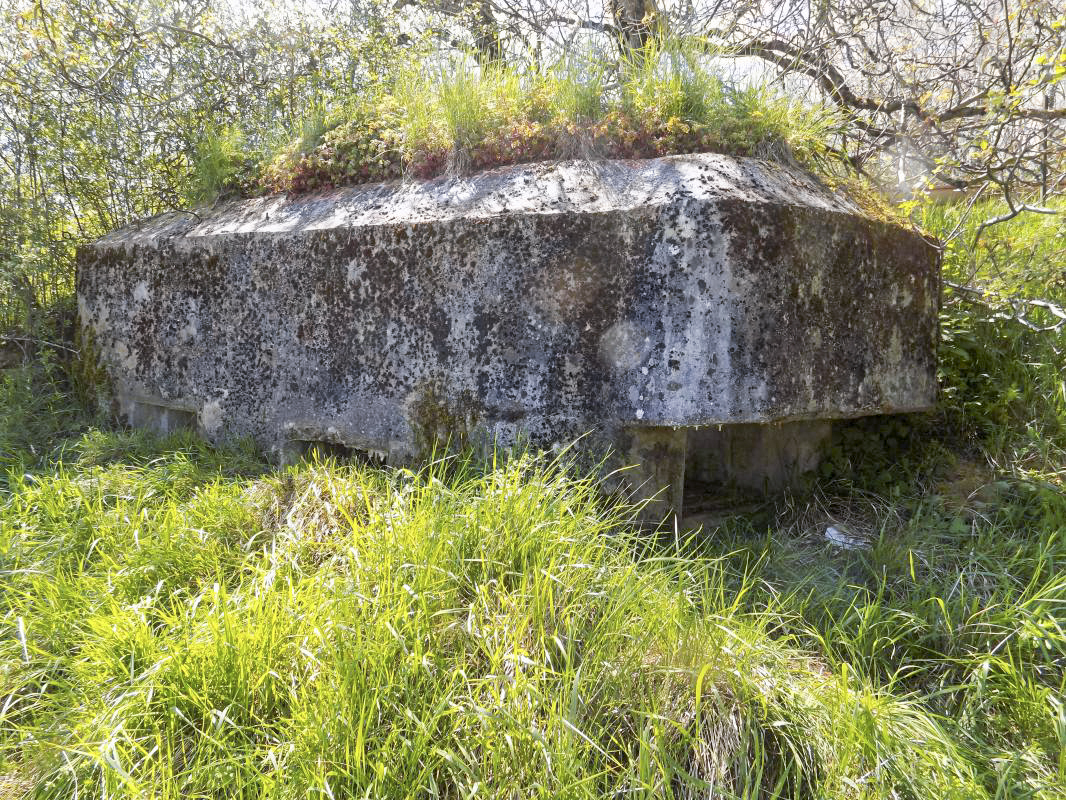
218 166
1023 256
182 621
450 116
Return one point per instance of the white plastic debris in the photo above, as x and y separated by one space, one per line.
844 540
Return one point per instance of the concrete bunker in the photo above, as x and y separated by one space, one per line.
702 317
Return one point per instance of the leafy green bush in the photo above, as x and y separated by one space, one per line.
1001 374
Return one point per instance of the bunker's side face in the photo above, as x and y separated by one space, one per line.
635 300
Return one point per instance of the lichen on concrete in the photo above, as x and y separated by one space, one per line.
535 302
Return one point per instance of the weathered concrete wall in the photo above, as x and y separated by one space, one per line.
539 301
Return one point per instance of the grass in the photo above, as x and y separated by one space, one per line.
453 117
1024 256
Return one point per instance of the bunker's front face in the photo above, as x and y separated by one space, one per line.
631 299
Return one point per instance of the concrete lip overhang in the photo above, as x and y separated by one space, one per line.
635 301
